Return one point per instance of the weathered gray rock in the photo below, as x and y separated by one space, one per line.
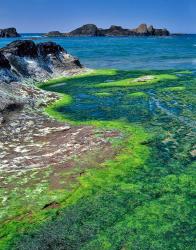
9 32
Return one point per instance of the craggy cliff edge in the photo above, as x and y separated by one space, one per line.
93 30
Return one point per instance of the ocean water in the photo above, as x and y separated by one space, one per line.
174 52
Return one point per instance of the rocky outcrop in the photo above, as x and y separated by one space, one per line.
54 34
93 30
115 31
9 32
28 138
144 30
86 30
22 62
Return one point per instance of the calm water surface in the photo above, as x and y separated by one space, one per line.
177 52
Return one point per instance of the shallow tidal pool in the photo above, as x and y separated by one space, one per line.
143 198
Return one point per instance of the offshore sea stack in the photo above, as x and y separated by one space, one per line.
144 30
93 30
9 32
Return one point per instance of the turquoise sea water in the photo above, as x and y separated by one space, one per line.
177 52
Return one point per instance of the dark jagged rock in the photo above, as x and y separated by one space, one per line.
21 48
4 63
54 34
9 32
161 32
25 59
49 48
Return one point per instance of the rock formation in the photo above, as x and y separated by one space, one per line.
115 31
54 34
144 30
25 61
9 32
93 30
86 30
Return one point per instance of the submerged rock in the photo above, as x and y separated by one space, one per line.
9 32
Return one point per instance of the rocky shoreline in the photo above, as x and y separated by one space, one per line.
93 30
28 138
22 63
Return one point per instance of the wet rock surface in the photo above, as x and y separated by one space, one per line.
30 140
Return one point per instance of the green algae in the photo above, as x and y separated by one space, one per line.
103 94
135 81
143 198
137 94
177 88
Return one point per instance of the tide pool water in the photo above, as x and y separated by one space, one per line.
174 52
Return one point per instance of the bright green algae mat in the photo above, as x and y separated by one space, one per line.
144 197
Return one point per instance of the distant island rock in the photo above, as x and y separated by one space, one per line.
93 30
9 32
54 34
